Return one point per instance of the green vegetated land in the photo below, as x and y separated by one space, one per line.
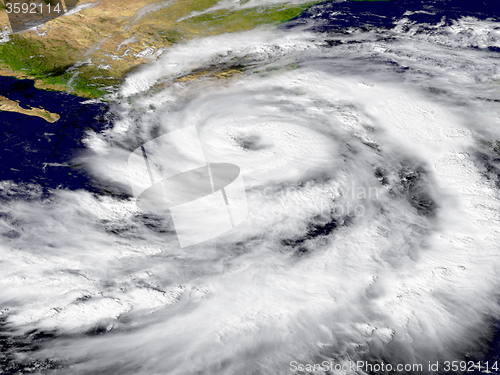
51 60
231 20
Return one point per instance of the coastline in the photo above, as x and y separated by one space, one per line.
37 151
8 105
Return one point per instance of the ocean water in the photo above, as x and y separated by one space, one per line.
365 134
34 151
334 16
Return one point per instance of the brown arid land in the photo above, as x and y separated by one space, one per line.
12 106
91 50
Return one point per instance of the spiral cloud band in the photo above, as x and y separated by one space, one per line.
361 173
372 228
204 199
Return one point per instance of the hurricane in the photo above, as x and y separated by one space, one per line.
371 168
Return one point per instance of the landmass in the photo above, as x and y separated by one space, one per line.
90 50
13 106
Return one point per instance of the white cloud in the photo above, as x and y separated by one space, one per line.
395 282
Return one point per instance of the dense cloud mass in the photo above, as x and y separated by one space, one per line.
368 157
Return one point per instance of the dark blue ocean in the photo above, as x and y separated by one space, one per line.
35 151
335 17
